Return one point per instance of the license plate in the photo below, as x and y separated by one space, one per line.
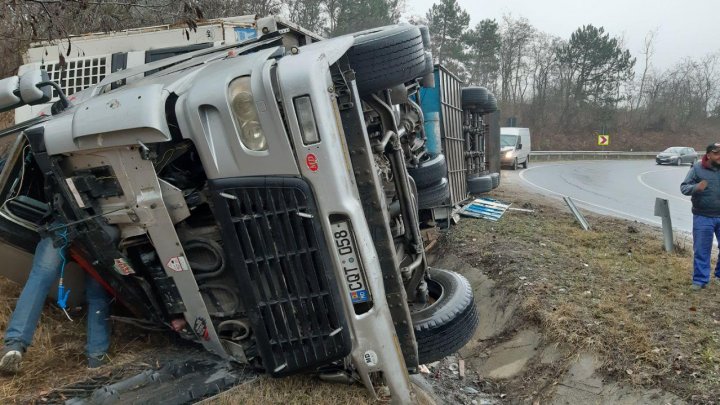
351 266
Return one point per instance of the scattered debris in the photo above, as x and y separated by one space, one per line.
423 369
521 210
485 208
461 368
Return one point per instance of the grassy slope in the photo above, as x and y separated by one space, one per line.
612 290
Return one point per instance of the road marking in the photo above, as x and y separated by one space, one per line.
639 178
623 214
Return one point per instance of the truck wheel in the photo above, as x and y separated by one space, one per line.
387 56
479 184
435 195
515 164
526 162
474 98
425 34
449 322
429 172
490 105
495 179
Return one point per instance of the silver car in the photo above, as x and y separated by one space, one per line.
677 155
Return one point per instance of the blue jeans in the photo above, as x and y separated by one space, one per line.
704 229
45 271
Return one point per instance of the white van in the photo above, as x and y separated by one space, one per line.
514 147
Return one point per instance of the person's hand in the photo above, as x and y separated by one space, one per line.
701 186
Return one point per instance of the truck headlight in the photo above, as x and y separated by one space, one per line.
246 115
306 119
508 154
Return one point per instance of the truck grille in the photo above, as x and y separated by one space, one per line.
280 258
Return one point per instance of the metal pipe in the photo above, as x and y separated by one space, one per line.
382 145
414 265
420 114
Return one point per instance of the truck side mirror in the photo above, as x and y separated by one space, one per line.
10 93
519 146
34 87
31 88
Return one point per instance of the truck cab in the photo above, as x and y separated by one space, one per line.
253 198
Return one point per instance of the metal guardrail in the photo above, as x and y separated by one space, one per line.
544 155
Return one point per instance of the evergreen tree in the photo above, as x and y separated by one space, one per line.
595 66
447 22
357 15
483 61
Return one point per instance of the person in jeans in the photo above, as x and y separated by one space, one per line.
21 328
702 183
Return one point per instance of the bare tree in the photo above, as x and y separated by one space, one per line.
648 52
308 14
516 37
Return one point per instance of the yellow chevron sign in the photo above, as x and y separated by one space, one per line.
603 140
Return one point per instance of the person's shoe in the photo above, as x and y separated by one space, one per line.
697 287
11 359
98 361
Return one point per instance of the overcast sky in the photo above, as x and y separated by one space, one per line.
689 28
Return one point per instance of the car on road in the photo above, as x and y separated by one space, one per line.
677 155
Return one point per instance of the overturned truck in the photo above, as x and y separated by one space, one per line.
253 198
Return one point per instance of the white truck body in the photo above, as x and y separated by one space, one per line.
94 56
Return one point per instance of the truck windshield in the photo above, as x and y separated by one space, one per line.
508 140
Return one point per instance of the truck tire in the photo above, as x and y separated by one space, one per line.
387 56
425 34
490 105
444 326
526 162
428 81
429 172
495 179
479 184
474 98
435 195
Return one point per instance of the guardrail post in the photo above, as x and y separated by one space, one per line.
578 215
662 210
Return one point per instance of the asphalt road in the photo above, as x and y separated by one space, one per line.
621 188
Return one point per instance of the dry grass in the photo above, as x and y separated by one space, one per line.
57 355
300 390
612 290
7 119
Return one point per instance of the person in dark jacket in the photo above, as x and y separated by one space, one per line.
702 183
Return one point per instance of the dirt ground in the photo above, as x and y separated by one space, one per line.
571 316
567 316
